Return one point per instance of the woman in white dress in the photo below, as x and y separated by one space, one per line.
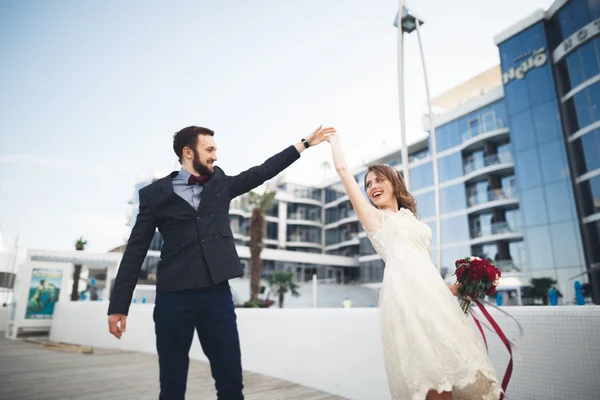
430 350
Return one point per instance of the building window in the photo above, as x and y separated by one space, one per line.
371 271
421 176
425 205
590 193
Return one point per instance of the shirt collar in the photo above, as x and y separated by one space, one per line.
184 175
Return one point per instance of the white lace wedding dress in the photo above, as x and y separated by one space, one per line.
427 342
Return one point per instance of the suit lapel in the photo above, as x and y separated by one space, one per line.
210 188
166 187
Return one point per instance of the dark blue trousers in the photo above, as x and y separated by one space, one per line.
211 313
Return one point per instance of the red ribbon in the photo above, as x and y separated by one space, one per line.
504 340
482 332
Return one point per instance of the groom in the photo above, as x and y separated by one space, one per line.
190 208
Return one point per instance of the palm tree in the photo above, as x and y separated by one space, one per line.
79 246
541 286
282 282
262 205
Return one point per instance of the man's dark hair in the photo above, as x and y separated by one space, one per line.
188 137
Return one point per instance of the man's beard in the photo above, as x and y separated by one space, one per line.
200 168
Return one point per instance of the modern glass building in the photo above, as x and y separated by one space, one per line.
551 79
519 170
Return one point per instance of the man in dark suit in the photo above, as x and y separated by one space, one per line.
190 208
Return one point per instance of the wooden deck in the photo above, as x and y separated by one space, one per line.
29 370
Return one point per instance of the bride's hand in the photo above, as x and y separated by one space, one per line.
454 289
331 137
319 135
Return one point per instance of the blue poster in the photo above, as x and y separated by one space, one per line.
43 293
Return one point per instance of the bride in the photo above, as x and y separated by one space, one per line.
430 351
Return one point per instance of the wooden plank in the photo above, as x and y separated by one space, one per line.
37 368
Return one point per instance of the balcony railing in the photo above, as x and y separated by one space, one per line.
497 124
346 214
304 217
341 237
240 203
492 159
496 228
304 239
301 192
346 236
491 195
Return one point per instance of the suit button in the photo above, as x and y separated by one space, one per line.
197 217
210 215
217 194
202 241
214 237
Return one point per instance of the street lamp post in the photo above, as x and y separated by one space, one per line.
432 140
409 22
401 106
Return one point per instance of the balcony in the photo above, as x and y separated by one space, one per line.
498 231
339 200
304 219
494 131
345 239
503 198
240 206
300 240
477 169
293 193
345 216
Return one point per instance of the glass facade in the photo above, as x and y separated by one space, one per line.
543 177
575 33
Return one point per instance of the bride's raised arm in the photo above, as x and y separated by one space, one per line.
369 216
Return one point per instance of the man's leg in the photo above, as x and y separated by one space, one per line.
174 327
217 329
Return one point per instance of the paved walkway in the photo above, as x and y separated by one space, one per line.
32 371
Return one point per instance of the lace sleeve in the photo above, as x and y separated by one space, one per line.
372 233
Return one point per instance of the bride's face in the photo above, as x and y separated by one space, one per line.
380 191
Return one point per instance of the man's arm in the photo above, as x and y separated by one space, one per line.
135 252
256 176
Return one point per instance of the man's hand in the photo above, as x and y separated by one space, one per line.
117 324
319 135
454 288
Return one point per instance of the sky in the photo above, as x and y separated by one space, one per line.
91 93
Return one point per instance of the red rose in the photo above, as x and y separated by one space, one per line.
460 272
474 274
490 273
491 291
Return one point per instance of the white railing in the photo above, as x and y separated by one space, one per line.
469 134
496 228
491 195
493 159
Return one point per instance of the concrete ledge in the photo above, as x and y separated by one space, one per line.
338 350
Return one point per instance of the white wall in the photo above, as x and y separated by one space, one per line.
4 313
338 350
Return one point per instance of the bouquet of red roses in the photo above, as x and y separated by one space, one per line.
477 278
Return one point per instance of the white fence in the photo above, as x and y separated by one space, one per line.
338 350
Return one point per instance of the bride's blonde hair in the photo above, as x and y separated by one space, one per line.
403 196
